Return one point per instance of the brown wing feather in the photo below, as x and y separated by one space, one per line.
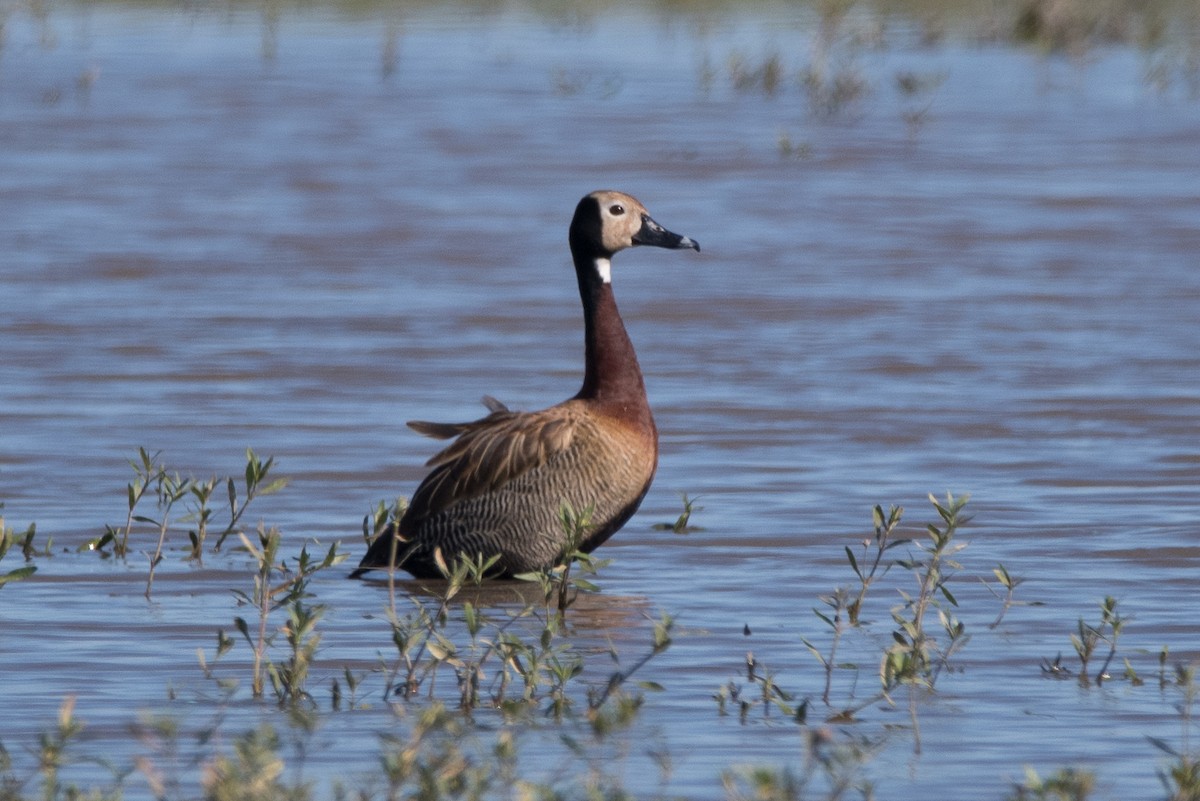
489 453
450 430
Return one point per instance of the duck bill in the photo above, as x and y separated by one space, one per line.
651 233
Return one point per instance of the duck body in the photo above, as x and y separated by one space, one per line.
525 467
498 489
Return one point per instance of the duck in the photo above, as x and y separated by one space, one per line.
499 488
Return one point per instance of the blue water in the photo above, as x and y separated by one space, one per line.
222 230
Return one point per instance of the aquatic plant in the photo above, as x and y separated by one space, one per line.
1067 784
1087 638
683 523
256 486
54 754
381 518
660 642
918 653
836 618
253 772
872 565
470 677
169 490
917 657
8 538
523 647
440 755
1075 26
917 89
1111 625
557 583
277 586
1181 777
200 513
153 479
771 695
748 76
835 762
792 150
288 677
1010 583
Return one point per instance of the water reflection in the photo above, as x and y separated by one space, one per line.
591 615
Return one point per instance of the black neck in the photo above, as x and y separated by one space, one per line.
611 372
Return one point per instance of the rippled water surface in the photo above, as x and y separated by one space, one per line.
294 231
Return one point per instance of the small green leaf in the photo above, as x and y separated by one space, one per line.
244 628
252 468
274 486
1163 745
471 617
853 561
18 574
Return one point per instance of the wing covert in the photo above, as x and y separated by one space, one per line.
488 454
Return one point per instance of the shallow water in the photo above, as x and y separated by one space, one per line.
295 232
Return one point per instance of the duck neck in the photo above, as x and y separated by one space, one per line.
612 377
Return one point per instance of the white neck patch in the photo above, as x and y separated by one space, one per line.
604 269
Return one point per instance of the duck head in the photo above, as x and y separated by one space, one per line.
607 222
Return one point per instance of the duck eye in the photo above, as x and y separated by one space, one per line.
616 209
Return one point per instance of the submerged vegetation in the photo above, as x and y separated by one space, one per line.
470 680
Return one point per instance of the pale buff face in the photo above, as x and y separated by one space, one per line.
623 223
620 219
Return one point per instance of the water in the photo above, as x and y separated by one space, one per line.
295 231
